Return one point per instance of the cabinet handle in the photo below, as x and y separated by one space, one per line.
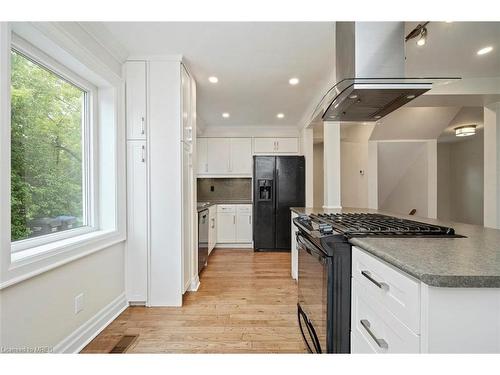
142 126
380 284
277 145
380 342
206 167
249 220
274 148
143 154
234 219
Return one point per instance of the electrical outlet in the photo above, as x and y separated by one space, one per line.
212 188
79 303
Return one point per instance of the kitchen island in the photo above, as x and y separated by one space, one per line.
423 295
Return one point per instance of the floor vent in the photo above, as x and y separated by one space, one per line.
124 343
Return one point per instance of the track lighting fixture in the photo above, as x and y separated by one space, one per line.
419 32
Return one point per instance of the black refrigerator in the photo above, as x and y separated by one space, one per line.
279 183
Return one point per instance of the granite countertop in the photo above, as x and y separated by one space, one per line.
472 262
205 205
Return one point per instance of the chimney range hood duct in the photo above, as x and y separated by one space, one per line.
370 73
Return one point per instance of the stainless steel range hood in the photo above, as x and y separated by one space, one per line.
370 73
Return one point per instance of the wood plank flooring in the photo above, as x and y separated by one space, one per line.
246 303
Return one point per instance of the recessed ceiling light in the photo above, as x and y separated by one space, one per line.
448 21
378 116
353 96
280 115
485 50
293 81
213 79
225 115
410 97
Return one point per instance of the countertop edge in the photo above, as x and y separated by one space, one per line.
440 281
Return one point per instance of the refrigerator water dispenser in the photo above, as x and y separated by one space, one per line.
265 190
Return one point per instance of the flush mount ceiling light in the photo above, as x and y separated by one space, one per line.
419 32
225 115
485 50
213 79
465 131
280 115
293 81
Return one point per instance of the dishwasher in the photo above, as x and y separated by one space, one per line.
202 239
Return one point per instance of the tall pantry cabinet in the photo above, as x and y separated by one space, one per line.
161 213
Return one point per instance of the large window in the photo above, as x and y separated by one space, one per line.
50 178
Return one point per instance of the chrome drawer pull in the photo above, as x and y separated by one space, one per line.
380 284
380 342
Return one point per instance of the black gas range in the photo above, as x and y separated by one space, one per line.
324 277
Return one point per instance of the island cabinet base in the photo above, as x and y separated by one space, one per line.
392 312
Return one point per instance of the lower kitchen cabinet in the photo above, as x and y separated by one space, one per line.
244 223
212 228
392 312
234 223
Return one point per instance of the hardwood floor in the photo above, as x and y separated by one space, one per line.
246 303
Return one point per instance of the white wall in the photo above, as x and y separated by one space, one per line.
461 180
403 177
39 311
354 164
318 175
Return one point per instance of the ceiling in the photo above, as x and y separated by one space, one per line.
252 60
451 49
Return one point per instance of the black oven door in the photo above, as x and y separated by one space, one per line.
313 299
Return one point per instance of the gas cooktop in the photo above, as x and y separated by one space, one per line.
369 224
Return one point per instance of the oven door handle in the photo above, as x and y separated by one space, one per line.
311 249
314 336
301 316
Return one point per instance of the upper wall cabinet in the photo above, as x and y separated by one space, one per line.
219 157
136 78
275 145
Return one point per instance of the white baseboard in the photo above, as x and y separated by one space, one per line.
195 284
77 340
234 246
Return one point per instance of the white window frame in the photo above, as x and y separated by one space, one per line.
61 45
33 246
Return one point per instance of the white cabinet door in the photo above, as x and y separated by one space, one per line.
219 152
187 118
187 217
241 156
287 145
137 222
264 145
202 155
244 224
212 229
135 83
226 227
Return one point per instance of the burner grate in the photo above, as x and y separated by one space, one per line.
359 224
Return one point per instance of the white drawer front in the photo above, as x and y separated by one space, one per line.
229 208
373 326
398 293
244 208
361 345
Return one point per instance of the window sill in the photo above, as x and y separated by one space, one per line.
32 262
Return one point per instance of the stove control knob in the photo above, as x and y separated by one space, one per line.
325 228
